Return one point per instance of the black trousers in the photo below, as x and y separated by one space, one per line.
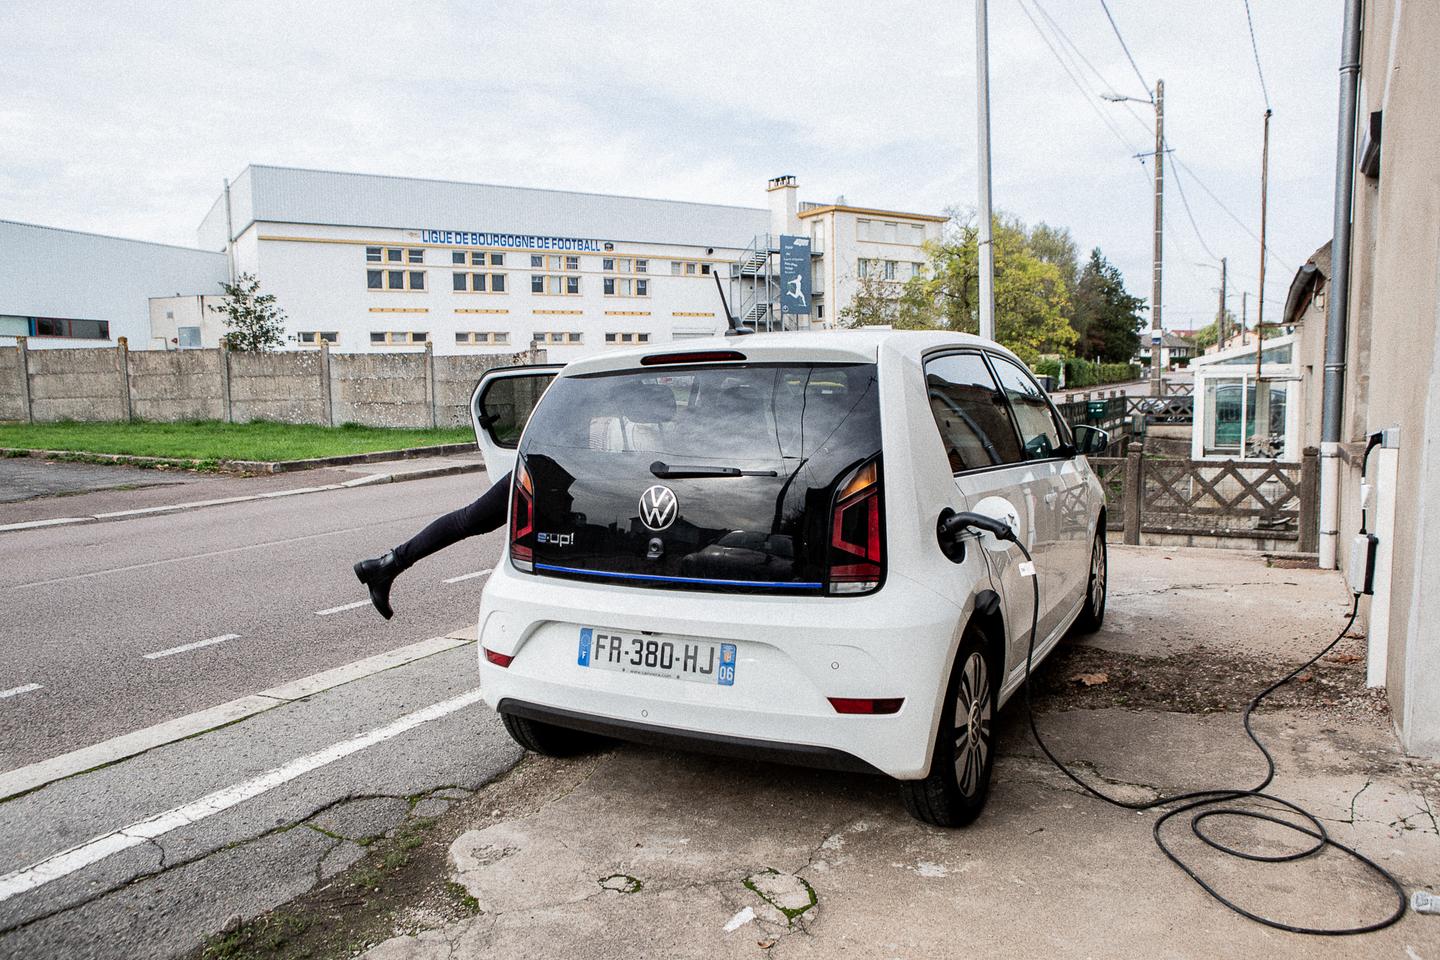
482 516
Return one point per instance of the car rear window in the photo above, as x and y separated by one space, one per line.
775 440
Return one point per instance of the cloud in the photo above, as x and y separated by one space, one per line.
124 118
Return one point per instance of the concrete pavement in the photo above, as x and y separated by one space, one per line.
642 853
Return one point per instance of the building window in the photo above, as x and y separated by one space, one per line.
554 284
372 254
398 337
415 255
572 263
481 338
625 265
627 287
477 282
311 338
642 266
890 268
687 268
537 262
394 255
554 338
73 329
627 338
395 279
497 259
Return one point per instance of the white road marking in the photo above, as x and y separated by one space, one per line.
469 576
16 691
186 647
92 851
40 773
342 609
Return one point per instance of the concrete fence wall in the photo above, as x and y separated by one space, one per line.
412 389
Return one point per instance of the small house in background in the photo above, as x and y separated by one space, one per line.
1240 415
1176 350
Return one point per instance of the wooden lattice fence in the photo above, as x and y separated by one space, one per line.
1258 499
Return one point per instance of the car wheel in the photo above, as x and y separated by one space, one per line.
954 793
548 739
1092 615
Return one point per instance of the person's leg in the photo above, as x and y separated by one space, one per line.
481 516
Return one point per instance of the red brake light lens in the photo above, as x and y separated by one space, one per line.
499 659
857 546
695 356
522 520
864 705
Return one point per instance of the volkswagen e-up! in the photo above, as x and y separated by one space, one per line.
739 545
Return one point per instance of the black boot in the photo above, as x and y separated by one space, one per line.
378 574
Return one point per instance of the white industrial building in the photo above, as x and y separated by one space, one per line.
371 263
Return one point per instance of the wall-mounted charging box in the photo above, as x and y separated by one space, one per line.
1362 563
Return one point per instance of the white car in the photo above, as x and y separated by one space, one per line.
738 545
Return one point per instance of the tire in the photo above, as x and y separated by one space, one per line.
964 754
548 739
1092 615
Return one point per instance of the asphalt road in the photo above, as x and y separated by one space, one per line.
84 605
103 630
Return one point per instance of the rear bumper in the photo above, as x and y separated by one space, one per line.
792 654
794 754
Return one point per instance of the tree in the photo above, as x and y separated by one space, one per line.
255 322
1106 317
876 303
1208 335
1055 245
1031 301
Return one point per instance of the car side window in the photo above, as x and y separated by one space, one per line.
971 413
1038 430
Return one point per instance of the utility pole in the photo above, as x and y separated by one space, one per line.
1157 101
1220 317
986 239
1244 306
1156 326
1260 311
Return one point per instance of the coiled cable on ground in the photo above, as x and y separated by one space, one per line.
1221 802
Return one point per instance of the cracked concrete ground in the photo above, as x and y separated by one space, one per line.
732 859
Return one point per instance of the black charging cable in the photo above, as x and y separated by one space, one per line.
1215 802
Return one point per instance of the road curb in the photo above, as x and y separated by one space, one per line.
365 481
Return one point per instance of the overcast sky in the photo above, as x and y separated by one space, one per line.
123 118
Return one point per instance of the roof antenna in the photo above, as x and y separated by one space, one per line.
735 329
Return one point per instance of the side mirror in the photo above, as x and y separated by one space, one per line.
1090 440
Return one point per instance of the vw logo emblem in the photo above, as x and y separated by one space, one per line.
658 507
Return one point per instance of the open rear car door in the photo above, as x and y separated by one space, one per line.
501 406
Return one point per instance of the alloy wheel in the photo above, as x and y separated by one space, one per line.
1097 576
974 707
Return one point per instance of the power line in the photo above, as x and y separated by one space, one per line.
1130 147
1185 201
1254 49
1146 125
1220 203
1123 46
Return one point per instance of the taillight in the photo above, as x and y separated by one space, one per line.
502 659
857 544
522 518
865 705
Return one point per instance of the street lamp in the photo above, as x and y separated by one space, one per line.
1156 321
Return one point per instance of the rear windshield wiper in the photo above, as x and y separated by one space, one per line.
681 471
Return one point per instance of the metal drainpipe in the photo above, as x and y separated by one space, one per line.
1338 318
